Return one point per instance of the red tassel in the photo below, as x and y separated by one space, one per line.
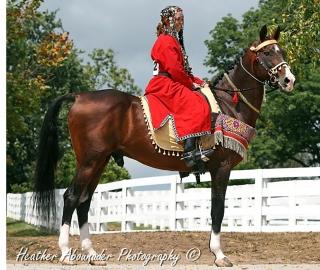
235 97
255 60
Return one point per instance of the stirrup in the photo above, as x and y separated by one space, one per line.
189 158
205 154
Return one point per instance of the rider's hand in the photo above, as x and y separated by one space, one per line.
195 86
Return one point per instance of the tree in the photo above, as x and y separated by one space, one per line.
41 65
26 57
103 72
295 118
28 54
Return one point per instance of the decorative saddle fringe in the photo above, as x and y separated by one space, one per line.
230 143
157 147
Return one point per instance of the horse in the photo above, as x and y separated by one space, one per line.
110 123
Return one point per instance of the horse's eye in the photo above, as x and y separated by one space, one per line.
266 53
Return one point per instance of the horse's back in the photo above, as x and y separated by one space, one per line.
107 115
103 97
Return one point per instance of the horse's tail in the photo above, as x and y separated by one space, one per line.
48 156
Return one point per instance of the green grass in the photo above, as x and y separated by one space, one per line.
116 226
16 228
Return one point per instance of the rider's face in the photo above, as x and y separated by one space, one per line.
178 21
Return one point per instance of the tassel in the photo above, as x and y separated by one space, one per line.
255 60
235 97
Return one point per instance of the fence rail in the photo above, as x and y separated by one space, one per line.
264 206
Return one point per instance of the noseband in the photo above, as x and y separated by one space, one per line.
273 81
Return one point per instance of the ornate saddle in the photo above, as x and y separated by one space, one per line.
225 131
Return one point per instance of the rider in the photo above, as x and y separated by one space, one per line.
171 93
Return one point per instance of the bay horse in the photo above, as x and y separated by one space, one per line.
110 123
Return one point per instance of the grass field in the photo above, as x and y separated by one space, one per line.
17 228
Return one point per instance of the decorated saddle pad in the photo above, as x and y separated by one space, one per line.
227 131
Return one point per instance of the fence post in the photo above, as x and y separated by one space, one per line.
172 203
180 206
126 192
98 210
292 206
258 200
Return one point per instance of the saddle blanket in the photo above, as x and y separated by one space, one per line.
227 131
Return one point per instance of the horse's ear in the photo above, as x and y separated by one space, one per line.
263 33
276 33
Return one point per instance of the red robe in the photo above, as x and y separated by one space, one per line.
172 97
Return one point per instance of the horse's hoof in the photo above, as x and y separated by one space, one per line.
224 262
66 261
97 262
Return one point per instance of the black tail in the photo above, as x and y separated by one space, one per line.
48 156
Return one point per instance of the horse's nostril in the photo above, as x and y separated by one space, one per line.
286 80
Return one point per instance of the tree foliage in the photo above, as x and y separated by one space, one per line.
295 118
42 63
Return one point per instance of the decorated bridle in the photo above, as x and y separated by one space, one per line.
272 72
273 81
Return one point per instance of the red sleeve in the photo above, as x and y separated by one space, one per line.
170 63
196 79
167 54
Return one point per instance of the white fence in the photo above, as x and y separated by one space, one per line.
264 206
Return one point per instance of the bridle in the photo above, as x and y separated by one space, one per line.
272 72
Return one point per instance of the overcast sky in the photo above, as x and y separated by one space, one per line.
128 27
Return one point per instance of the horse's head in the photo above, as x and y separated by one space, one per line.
269 61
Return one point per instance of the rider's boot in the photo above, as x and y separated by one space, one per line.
190 154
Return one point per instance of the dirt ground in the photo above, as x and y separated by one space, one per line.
241 248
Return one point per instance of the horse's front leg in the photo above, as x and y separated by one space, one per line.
218 190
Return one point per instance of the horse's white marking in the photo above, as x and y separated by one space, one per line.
291 77
215 246
276 48
86 243
64 240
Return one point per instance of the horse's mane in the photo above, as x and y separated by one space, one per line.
235 63
231 66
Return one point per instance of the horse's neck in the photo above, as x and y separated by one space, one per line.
241 80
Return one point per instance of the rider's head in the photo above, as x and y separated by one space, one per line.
171 21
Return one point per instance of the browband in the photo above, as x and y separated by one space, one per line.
261 45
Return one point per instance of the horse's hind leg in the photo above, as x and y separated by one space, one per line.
82 212
78 195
